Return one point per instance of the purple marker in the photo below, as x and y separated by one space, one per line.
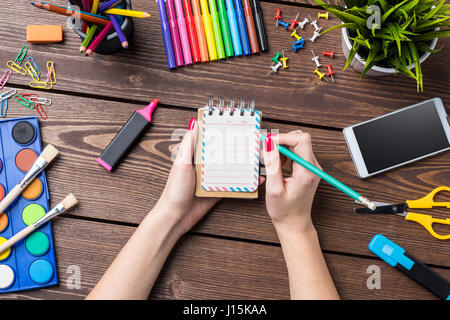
175 35
166 35
183 32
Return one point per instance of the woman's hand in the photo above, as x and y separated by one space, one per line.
289 200
178 201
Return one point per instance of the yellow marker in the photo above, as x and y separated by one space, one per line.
320 74
322 15
295 34
208 30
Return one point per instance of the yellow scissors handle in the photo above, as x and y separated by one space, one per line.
428 201
427 221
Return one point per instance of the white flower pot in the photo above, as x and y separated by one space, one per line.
358 63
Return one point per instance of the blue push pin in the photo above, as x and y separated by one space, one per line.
284 24
299 42
296 46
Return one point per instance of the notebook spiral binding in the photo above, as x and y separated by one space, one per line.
221 106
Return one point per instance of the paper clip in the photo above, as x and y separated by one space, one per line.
5 78
3 108
8 94
51 75
16 68
41 85
41 112
24 102
22 54
31 71
44 101
35 66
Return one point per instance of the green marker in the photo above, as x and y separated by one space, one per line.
216 29
226 33
325 176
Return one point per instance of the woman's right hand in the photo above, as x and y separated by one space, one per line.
289 200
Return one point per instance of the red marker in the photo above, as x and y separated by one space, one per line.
190 24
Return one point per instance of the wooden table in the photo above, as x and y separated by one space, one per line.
234 252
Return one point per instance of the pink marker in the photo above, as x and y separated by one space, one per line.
183 32
175 34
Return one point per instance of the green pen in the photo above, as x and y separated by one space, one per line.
216 29
325 176
226 33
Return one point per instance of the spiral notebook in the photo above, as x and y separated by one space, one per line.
228 152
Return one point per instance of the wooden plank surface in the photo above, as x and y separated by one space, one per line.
81 128
208 268
292 95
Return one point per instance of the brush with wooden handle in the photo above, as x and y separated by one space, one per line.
47 156
61 207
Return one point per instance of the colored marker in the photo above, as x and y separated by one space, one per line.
130 133
190 24
175 34
234 28
254 45
183 32
199 27
259 24
208 30
242 27
216 29
226 35
166 35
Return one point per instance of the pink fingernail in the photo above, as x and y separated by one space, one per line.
191 124
268 144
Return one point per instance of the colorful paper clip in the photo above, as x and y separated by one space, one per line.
8 94
31 71
35 66
24 102
5 78
41 85
16 68
43 101
3 108
51 75
22 54
41 112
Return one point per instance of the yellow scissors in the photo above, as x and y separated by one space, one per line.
423 219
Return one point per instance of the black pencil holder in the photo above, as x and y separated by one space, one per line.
112 43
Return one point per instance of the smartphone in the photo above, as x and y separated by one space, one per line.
403 136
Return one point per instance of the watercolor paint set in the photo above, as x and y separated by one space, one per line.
30 263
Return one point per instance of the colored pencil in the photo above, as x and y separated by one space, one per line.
94 8
231 13
200 30
208 30
128 13
190 24
176 42
88 38
119 31
85 16
166 35
254 45
86 5
108 4
101 36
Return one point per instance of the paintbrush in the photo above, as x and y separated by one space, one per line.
47 156
61 207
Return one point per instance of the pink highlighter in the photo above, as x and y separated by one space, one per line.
183 32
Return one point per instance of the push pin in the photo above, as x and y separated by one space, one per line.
330 72
284 24
328 53
320 75
295 35
276 58
322 15
274 69
316 27
315 36
316 59
297 45
284 61
294 22
302 24
277 16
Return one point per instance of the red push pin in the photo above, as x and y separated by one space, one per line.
330 72
294 22
277 16
328 53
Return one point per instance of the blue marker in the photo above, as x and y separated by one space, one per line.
167 38
397 257
242 24
234 28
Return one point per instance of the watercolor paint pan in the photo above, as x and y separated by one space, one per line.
30 263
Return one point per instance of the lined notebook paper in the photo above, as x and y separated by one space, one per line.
230 150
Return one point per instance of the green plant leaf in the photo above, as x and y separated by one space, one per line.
388 13
415 57
431 35
340 26
351 55
434 11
